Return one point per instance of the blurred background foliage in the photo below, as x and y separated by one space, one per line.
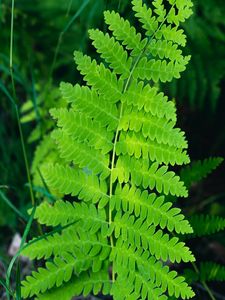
45 35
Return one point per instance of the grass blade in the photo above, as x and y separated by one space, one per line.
12 206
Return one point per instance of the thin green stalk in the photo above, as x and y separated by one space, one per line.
119 4
15 104
204 283
45 185
38 189
34 94
66 28
18 279
217 295
69 8
12 206
24 237
5 287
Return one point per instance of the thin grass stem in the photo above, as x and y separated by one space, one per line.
204 283
12 206
60 38
15 104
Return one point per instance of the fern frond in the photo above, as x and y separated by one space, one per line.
86 283
144 14
114 143
134 286
139 233
99 77
148 176
125 33
165 49
128 259
68 241
154 128
184 11
159 9
199 170
148 98
55 273
134 144
67 180
151 23
210 271
160 70
83 128
64 212
132 290
173 34
112 52
79 153
154 210
206 224
89 102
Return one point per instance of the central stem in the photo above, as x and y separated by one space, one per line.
114 153
117 130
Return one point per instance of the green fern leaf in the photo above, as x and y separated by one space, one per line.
210 271
99 77
173 34
165 49
152 209
147 97
72 150
206 224
158 70
133 144
154 128
148 176
184 11
144 14
112 52
55 273
129 259
131 289
199 170
89 102
136 285
84 284
67 180
83 129
63 213
68 241
125 33
139 233
159 9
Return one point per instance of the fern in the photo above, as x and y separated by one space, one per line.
199 170
76 182
206 225
84 284
210 271
69 240
117 140
89 102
